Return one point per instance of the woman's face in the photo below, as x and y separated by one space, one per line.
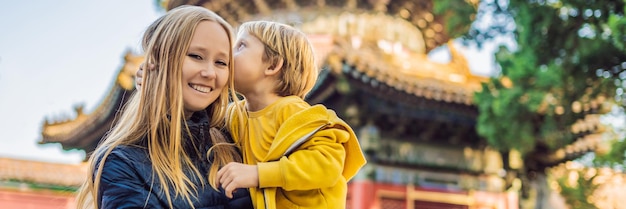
205 66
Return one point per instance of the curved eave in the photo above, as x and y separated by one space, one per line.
86 129
387 100
67 175
428 81
412 105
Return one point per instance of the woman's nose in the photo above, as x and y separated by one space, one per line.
208 72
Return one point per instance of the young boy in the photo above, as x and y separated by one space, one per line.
295 154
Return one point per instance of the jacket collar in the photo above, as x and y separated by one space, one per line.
200 140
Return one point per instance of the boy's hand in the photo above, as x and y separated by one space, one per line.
237 175
139 74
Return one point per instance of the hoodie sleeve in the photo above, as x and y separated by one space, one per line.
121 186
318 163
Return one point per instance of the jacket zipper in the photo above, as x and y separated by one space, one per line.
290 150
302 139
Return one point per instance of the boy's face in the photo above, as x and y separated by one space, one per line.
205 66
249 67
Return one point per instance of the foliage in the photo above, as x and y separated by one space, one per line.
614 158
457 16
577 194
568 55
492 20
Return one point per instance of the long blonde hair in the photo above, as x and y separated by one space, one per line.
156 114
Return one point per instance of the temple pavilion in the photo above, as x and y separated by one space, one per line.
415 118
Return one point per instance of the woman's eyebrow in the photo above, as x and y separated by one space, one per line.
197 48
201 49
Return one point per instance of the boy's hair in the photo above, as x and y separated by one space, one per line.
157 111
283 42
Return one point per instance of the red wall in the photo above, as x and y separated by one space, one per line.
372 195
36 200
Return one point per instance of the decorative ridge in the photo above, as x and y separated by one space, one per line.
450 82
56 131
71 175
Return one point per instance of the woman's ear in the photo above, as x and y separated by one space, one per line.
274 68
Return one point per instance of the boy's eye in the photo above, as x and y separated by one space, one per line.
195 56
240 45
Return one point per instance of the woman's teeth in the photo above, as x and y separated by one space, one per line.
202 89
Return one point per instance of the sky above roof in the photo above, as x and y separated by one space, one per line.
55 55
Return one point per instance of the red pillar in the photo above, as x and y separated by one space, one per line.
362 195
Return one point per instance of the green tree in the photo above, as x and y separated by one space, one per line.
570 52
577 195
570 57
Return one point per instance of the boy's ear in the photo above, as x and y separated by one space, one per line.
275 68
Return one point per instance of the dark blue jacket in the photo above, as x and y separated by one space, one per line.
128 182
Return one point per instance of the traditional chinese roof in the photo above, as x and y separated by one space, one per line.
406 95
41 174
381 44
413 74
86 129
329 15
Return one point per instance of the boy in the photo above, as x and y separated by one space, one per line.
294 154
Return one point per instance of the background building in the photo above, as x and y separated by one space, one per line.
414 117
31 184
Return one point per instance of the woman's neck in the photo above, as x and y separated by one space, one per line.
188 114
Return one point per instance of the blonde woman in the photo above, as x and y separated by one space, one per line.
168 144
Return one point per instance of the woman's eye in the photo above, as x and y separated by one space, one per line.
222 63
195 56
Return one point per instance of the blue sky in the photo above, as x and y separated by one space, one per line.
55 55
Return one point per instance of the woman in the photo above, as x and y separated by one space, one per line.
156 155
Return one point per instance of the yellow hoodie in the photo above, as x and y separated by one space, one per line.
312 156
